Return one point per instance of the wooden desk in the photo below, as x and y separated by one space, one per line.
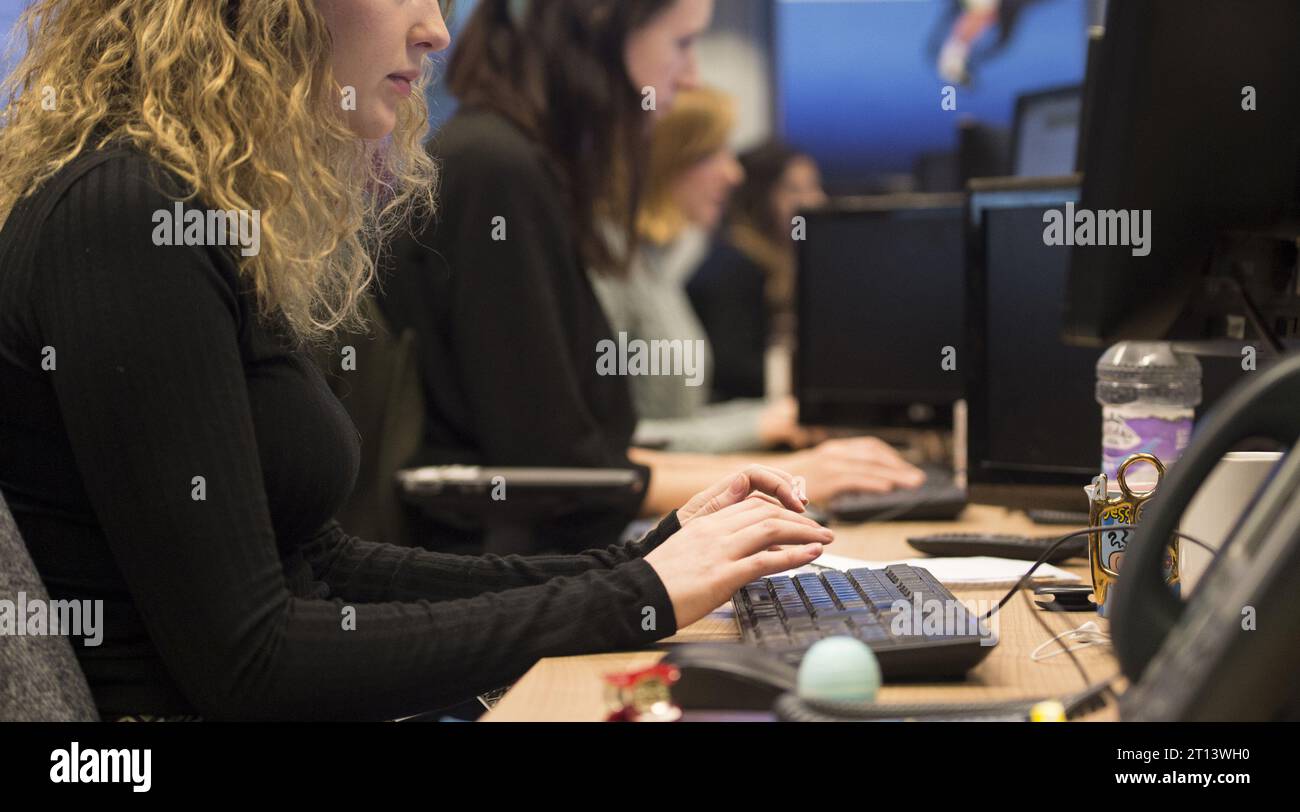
570 688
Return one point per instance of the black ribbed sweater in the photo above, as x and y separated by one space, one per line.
233 606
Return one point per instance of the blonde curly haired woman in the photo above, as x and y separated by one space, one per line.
191 192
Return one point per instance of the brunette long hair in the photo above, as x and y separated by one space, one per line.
556 68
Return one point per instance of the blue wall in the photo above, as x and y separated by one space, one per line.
859 89
9 11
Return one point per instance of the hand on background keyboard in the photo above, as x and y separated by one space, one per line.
721 550
853 465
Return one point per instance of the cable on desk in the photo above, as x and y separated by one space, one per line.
1042 559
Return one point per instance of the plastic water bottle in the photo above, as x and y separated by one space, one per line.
1148 395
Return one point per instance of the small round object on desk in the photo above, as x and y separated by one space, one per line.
839 669
1047 711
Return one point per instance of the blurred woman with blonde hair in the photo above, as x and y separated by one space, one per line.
691 173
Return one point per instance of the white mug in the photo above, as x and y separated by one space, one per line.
1214 511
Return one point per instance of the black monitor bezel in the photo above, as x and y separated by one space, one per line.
1016 486
883 405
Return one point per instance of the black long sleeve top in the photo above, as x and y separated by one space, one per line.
130 370
727 294
508 326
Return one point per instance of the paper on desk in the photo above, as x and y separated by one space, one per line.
975 570
968 571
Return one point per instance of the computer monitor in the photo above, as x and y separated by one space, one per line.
1193 122
1033 421
879 309
1045 138
983 151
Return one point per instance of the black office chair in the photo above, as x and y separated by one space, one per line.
43 681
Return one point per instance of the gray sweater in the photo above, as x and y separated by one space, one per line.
650 305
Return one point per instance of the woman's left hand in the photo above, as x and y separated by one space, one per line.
783 488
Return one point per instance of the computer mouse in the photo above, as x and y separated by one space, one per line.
728 676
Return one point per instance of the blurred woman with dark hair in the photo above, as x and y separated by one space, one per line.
744 289
554 96
543 168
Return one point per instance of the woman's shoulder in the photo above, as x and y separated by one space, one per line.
122 209
128 175
481 141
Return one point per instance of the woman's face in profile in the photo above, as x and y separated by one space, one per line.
379 51
661 53
703 190
800 188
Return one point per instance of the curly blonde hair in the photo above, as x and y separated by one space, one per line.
238 99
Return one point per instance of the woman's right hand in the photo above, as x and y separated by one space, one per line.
703 564
852 465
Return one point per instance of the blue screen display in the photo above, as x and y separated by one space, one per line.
860 84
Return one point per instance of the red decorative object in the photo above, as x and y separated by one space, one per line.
642 696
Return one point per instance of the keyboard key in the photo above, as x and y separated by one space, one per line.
788 614
871 634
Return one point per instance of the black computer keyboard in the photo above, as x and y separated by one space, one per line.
1000 545
938 499
787 614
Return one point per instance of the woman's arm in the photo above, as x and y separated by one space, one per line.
152 389
676 477
359 570
863 464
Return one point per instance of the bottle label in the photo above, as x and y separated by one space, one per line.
1124 434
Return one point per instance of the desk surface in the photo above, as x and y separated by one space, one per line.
570 688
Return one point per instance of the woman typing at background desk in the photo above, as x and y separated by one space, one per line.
692 171
543 160
743 290
165 443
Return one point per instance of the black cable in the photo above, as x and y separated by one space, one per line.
791 708
1256 318
1042 559
1069 651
